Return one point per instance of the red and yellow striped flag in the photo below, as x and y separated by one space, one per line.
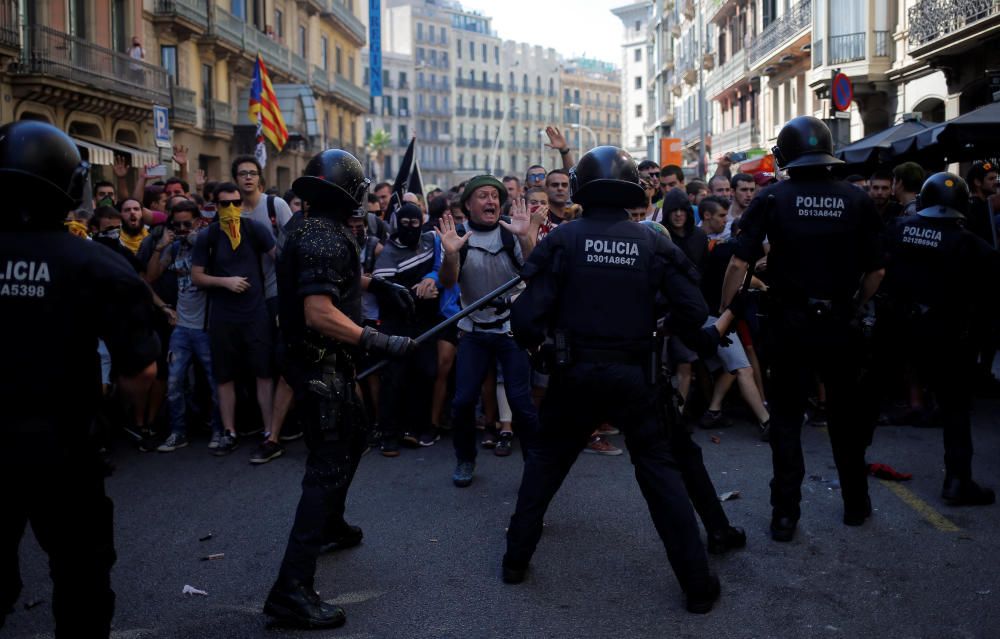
264 107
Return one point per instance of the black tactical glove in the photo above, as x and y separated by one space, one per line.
392 294
391 345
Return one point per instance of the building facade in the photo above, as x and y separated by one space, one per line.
393 113
591 102
636 63
73 68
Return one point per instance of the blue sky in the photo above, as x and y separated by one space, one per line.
572 28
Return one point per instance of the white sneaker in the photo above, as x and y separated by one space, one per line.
175 441
216 439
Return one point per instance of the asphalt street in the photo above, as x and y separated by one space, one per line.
429 564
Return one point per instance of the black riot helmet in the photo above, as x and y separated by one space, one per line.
333 181
606 176
42 163
943 195
804 141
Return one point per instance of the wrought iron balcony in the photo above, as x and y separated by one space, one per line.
474 143
320 79
847 48
461 111
931 20
219 118
10 29
190 15
462 141
52 53
182 106
474 112
344 18
789 25
351 93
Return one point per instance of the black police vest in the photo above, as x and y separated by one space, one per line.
934 264
606 293
319 255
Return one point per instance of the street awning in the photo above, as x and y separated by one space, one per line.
974 135
298 108
869 148
103 153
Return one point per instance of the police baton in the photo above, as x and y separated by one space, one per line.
454 319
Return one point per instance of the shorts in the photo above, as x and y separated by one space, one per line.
239 347
732 358
679 353
449 334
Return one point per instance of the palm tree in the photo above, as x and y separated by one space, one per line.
378 144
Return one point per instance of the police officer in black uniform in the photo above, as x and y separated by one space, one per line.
581 274
319 288
58 295
927 283
824 262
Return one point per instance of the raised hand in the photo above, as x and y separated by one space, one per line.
520 219
200 179
557 140
180 154
120 168
451 241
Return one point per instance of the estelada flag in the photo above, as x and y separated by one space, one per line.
264 106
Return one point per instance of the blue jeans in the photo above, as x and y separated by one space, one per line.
185 343
476 352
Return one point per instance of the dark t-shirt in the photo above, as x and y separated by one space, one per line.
224 305
713 272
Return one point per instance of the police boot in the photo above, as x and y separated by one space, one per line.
514 572
965 492
726 539
855 514
349 537
783 527
700 600
296 604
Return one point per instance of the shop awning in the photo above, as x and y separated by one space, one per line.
103 153
871 148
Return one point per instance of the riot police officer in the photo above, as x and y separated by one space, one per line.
51 469
824 240
582 273
319 286
927 284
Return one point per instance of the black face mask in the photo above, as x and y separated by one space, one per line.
408 236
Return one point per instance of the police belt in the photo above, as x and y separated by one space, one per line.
605 356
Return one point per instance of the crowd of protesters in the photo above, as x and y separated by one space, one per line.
208 251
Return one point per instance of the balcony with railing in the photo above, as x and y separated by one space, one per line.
10 27
183 109
474 143
320 79
345 19
462 141
785 32
950 26
351 94
219 119
187 17
849 47
461 111
50 53
742 137
726 76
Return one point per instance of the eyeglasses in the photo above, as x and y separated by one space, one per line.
224 203
244 174
186 224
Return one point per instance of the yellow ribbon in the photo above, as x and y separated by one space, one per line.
229 219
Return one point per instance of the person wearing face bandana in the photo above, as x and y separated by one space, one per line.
408 259
319 300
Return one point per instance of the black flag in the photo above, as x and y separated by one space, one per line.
416 182
400 186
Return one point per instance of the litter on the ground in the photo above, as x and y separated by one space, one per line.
214 556
728 495
191 590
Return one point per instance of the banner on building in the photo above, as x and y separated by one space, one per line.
375 47
671 151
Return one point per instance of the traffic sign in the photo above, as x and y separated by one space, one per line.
161 126
842 92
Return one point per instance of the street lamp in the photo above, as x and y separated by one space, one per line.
495 153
